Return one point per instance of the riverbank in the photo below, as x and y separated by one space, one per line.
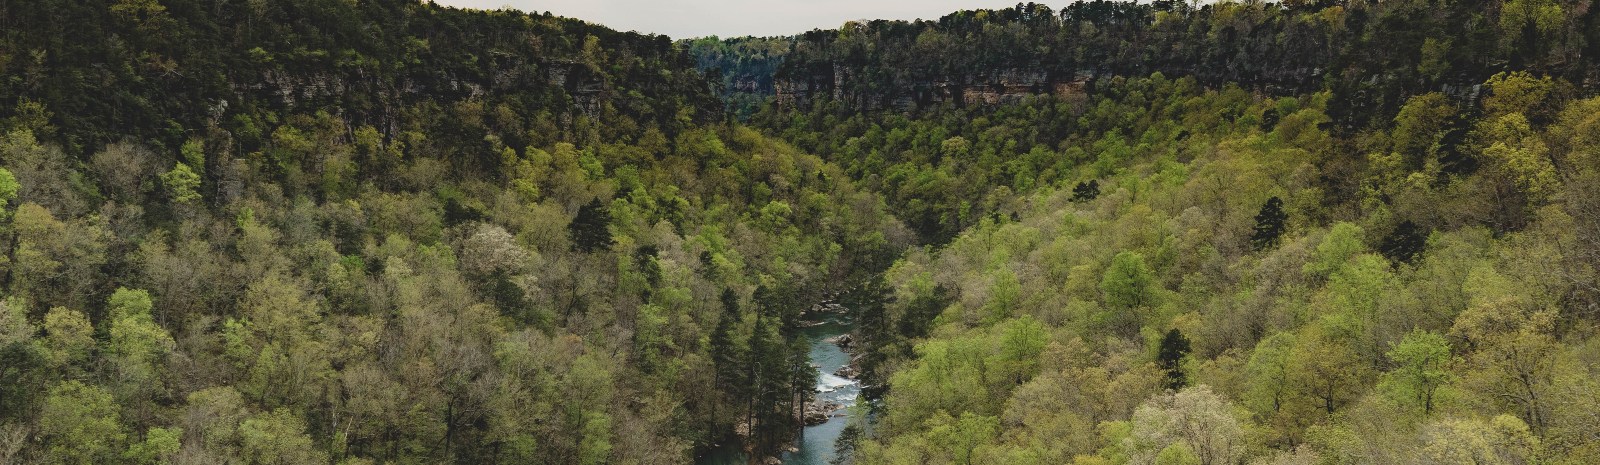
837 390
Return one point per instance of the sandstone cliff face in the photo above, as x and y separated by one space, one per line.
584 89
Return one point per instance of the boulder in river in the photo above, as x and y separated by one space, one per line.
818 412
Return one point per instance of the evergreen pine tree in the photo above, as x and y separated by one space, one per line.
590 229
1404 243
1269 224
1086 191
1174 346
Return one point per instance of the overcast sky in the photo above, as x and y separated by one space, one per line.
731 18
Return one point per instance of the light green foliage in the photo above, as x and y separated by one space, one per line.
278 437
1360 285
1005 293
1269 374
193 153
14 324
1423 367
1503 440
8 187
68 335
1546 17
159 447
960 439
595 448
1341 243
136 342
79 425
182 183
1517 91
1421 126
1127 283
129 303
55 262
1521 153
1021 343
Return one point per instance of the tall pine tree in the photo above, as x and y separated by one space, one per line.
1174 346
1269 224
590 230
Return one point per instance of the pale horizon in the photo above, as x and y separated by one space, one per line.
685 19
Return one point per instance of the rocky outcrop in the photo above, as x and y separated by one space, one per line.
817 413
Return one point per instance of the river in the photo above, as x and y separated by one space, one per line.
815 446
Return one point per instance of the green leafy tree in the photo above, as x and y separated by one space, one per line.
159 446
182 184
1128 283
962 438
595 447
1423 367
1342 243
68 336
9 187
79 425
279 438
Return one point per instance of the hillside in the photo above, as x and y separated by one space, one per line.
1239 233
386 231
389 232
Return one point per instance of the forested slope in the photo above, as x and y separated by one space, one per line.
1209 301
1353 232
323 231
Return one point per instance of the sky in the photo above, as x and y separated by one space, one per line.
683 19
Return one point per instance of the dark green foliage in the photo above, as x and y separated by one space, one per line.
362 55
455 212
868 303
1404 243
1269 224
921 311
24 374
1086 191
1174 347
645 258
1030 47
590 230
844 448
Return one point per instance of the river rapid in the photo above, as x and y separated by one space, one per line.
816 443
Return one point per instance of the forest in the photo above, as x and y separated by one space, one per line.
387 231
390 232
